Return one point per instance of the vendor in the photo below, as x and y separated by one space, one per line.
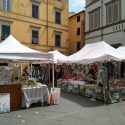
101 78
93 71
102 81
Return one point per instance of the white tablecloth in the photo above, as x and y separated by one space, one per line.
35 94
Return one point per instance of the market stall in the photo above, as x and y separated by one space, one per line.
57 56
104 87
11 80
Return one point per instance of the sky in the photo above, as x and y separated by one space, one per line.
76 5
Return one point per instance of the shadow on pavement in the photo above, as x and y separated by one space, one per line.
81 100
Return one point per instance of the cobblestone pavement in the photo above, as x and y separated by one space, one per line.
72 110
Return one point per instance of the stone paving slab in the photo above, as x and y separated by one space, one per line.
72 110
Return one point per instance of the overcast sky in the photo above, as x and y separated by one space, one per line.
76 5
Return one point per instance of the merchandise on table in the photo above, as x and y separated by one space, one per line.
5 75
117 91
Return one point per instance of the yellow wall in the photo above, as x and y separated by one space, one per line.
21 23
73 37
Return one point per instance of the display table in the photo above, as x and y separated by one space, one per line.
80 87
34 95
15 95
116 93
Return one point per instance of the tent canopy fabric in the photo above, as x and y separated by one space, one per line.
121 48
10 48
57 55
96 52
101 51
11 45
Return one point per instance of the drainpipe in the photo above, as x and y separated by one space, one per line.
47 23
101 20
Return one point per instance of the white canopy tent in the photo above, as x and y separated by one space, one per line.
100 51
10 48
121 49
13 50
57 55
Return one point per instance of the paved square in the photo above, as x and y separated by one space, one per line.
72 110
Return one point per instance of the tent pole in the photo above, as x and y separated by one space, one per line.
49 73
53 73
31 70
108 86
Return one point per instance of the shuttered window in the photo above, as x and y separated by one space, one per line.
109 14
116 11
94 20
91 21
113 12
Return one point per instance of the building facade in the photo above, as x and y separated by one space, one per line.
39 24
76 31
105 21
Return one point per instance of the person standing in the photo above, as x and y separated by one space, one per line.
102 82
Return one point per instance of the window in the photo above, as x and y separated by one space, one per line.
58 16
78 46
78 18
57 39
94 20
78 31
5 32
35 10
35 36
113 12
6 5
60 0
